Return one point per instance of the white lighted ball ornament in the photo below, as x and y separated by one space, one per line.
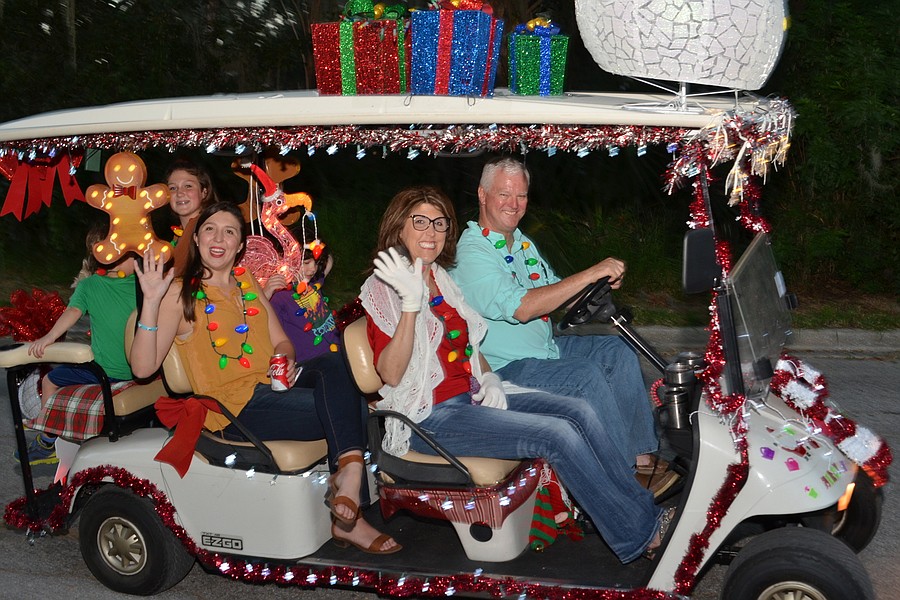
129 204
727 43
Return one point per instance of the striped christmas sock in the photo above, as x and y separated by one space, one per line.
550 501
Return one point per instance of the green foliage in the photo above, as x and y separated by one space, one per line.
836 215
834 207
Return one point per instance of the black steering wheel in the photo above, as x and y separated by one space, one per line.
595 301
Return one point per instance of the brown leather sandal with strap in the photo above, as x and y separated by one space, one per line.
374 548
332 500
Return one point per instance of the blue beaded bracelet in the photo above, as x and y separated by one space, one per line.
146 327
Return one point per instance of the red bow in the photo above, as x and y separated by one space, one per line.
466 5
36 178
187 417
119 190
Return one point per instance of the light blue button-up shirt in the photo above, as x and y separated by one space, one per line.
494 281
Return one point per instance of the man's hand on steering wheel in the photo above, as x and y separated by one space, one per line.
594 301
613 268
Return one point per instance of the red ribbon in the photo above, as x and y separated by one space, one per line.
187 417
485 88
37 179
120 190
466 5
444 52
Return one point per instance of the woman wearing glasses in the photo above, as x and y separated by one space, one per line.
425 340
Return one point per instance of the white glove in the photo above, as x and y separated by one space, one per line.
392 269
491 393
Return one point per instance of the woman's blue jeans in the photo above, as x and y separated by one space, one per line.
567 433
323 403
606 372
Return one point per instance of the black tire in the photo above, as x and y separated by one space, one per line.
127 547
857 525
796 562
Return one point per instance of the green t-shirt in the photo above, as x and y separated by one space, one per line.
109 302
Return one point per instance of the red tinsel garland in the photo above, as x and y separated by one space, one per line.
805 390
749 207
430 139
263 572
349 313
31 316
728 407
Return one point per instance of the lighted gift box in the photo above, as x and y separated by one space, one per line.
537 59
454 52
357 57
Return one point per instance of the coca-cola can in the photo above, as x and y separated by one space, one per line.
278 365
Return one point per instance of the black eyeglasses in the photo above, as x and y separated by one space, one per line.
421 223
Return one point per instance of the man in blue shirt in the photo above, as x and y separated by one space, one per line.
505 278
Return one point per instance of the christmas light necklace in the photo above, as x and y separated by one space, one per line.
530 262
104 273
316 247
177 231
242 328
453 334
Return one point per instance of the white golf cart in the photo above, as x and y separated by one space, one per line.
770 484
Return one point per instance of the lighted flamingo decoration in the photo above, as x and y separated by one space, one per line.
261 257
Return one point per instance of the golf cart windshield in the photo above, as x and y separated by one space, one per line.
761 311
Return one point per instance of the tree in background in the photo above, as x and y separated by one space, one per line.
835 209
837 212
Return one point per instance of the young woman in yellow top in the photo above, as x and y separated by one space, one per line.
225 332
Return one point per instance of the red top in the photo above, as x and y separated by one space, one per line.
453 353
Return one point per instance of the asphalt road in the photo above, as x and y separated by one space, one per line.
51 567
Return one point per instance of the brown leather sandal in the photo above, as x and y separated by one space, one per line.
332 500
656 467
373 548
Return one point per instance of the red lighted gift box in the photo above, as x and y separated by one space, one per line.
361 57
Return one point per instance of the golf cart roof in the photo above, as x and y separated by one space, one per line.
307 108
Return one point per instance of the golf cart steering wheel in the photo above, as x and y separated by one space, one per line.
594 301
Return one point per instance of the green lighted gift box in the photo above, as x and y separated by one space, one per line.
537 60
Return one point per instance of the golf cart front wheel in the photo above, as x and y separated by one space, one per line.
856 526
127 547
795 563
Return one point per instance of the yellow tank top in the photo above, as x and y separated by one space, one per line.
227 380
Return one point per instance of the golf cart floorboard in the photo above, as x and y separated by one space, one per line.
431 547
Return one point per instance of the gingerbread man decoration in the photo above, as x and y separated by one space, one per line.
129 204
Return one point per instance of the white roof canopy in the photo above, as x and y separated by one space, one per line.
307 108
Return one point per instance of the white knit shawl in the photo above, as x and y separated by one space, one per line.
414 395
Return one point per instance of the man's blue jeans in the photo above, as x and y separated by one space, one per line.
567 433
606 372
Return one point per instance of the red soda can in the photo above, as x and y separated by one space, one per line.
278 365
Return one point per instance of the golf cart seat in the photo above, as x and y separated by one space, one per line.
278 456
78 412
75 413
488 501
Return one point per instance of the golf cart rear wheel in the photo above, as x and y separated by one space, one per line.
795 563
126 546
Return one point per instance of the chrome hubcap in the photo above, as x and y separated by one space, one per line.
791 590
122 546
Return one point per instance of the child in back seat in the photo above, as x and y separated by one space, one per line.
107 294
